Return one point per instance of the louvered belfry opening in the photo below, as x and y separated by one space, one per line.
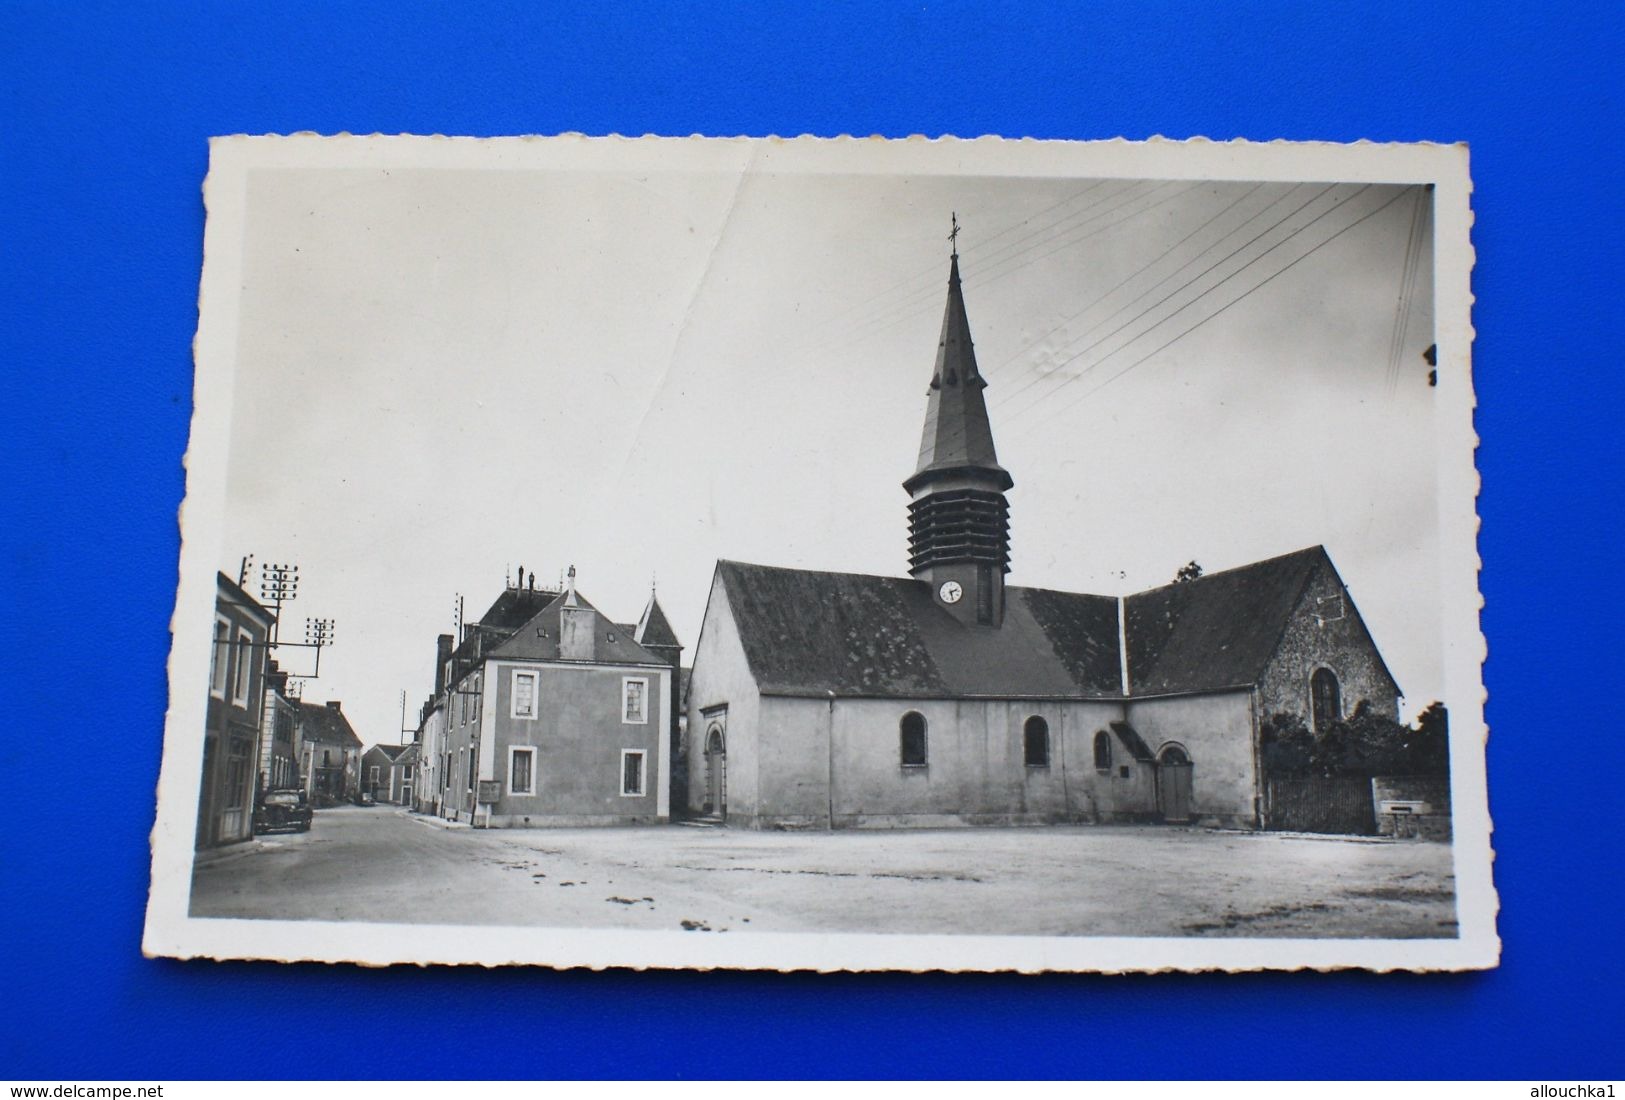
959 526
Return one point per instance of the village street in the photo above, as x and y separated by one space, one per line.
383 864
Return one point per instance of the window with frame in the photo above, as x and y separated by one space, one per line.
911 740
524 694
631 772
240 674
1035 742
521 771
220 659
372 774
634 700
1103 752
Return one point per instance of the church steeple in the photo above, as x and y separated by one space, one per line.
959 520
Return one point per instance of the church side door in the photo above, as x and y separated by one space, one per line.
1174 773
716 772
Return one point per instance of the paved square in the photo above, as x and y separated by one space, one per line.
382 864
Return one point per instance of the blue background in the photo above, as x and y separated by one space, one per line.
104 112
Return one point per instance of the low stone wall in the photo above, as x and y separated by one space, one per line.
1412 806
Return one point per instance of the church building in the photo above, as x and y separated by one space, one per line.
833 700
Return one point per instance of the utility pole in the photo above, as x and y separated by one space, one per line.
279 584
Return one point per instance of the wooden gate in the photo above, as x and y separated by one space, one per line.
1341 804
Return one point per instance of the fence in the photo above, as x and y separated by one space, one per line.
1339 805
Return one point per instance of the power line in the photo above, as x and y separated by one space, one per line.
1222 309
1039 377
1068 318
1407 288
924 298
1208 270
1189 282
933 273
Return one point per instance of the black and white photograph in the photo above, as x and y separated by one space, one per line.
829 554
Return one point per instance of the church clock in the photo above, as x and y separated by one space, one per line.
950 591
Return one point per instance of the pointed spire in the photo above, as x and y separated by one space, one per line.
654 629
957 436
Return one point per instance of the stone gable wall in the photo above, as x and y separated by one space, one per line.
1340 644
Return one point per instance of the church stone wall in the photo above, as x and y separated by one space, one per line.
722 677
1216 732
975 772
1336 640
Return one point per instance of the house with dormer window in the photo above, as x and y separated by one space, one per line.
552 713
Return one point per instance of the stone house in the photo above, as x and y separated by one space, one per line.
329 751
231 739
556 714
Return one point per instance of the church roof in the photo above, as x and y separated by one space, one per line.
1219 630
654 628
537 639
957 434
812 633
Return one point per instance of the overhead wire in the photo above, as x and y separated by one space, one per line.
1407 288
925 300
1053 375
1070 379
1216 313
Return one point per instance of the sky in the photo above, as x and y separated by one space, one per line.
443 375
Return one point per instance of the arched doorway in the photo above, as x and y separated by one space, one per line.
716 773
1174 774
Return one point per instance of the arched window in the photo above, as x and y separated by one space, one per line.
1035 742
1325 697
1173 756
911 739
1103 752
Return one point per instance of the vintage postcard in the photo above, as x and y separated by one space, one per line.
829 554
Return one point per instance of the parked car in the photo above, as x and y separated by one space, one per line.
282 809
364 797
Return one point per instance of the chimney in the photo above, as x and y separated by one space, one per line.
578 626
442 655
333 704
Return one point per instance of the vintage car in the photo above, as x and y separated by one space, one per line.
284 809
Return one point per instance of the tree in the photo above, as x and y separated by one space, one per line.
1365 743
1188 572
1430 746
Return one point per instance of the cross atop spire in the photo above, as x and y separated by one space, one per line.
957 434
953 235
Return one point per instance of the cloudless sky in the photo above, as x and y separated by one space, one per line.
443 375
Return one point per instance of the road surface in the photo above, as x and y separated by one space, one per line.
384 864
